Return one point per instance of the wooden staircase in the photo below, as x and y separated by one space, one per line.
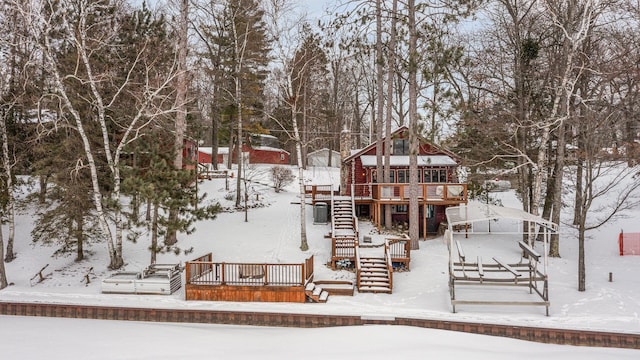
374 275
344 231
316 293
374 271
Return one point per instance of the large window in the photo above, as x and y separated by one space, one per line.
400 147
435 175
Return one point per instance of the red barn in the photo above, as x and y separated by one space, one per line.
437 177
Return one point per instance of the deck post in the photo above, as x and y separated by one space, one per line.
223 279
266 273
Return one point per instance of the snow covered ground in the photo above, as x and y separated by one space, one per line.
272 234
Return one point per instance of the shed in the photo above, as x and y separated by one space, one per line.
324 157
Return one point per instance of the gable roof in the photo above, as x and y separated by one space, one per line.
359 152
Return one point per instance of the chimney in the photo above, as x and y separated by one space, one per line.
345 151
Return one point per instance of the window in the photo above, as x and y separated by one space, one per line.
431 211
403 176
443 176
435 175
281 157
400 147
399 209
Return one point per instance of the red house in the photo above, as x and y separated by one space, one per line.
205 154
437 177
257 149
265 149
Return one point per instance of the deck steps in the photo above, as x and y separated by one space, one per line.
374 276
316 293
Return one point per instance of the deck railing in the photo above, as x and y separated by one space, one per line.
387 258
399 249
358 266
203 271
343 247
319 192
428 191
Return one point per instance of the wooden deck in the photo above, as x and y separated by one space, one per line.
220 281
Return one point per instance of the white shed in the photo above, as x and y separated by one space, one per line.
321 158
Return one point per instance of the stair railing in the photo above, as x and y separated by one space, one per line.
387 259
358 266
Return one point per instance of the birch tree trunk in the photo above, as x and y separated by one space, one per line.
575 32
304 246
10 206
4 84
3 272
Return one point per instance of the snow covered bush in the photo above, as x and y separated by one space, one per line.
281 176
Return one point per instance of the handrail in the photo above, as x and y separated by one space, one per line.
387 258
358 266
308 269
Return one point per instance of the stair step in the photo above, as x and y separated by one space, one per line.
310 286
374 282
323 296
317 291
369 272
374 276
374 289
373 265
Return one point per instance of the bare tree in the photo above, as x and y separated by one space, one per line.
294 65
74 21
5 78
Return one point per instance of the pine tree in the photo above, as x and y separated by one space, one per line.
155 180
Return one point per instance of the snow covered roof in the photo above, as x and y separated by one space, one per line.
209 150
403 160
475 212
268 148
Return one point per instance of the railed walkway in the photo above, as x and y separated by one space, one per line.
543 335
